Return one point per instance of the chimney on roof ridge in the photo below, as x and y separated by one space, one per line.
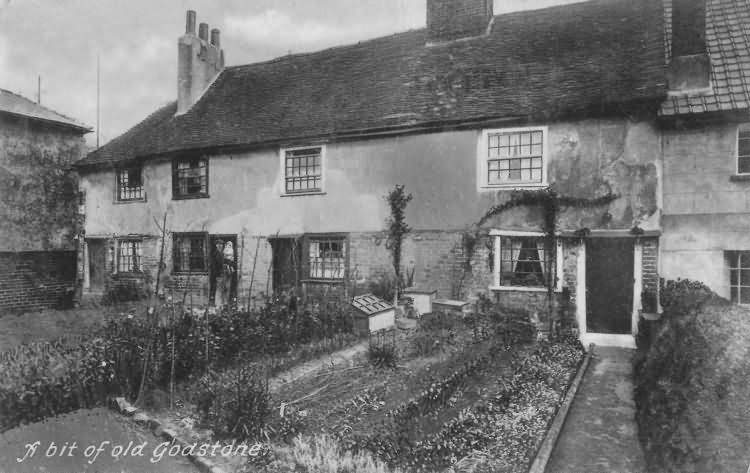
448 20
689 66
199 61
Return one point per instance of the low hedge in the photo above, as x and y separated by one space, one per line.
692 388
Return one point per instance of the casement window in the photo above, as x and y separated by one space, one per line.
130 184
129 255
522 260
190 252
302 170
190 178
326 257
743 149
513 157
739 276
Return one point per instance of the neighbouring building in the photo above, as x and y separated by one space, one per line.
38 204
290 159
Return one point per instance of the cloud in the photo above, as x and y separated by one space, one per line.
277 28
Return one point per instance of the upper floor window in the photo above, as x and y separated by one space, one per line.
190 178
743 149
190 253
130 184
129 256
513 157
303 170
524 260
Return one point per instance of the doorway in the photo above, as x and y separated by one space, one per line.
609 285
216 263
286 263
97 260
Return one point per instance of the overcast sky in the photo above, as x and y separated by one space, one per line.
136 41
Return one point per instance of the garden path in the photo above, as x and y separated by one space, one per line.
600 433
338 359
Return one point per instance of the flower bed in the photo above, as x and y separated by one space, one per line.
132 354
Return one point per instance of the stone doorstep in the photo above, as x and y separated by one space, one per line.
121 405
544 452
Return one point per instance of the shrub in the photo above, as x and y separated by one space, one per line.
236 403
434 332
382 350
692 387
684 296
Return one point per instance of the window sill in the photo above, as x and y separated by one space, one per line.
130 201
739 178
510 187
521 289
297 194
323 281
189 197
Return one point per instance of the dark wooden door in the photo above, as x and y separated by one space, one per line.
97 264
609 285
286 263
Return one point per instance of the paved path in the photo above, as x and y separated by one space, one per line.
600 434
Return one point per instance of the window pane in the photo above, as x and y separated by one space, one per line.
733 294
744 259
743 164
744 295
733 277
523 262
326 258
518 152
303 170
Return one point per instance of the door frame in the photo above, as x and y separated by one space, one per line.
608 339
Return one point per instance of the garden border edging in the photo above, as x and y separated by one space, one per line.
550 440
121 405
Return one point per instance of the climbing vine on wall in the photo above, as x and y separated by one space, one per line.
551 204
397 200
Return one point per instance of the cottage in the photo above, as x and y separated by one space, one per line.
290 159
38 203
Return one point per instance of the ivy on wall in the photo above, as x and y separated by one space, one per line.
551 204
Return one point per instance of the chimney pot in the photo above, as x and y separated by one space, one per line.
203 31
190 22
215 37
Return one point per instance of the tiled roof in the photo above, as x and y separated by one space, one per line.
534 65
19 105
728 42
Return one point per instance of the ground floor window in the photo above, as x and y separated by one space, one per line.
190 252
525 260
129 256
326 257
739 276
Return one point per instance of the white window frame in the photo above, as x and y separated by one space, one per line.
282 168
482 165
740 128
497 247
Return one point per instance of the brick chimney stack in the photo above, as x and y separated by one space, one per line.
448 20
199 61
689 67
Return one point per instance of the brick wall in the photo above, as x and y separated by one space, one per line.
650 264
37 279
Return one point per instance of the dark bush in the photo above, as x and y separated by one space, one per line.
236 403
692 388
382 351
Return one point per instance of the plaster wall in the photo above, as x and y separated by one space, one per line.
587 158
706 211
